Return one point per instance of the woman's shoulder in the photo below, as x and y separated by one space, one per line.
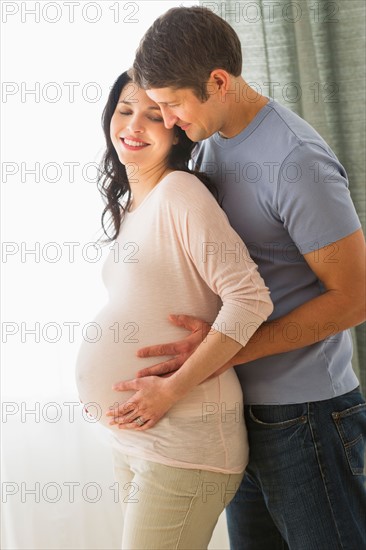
181 178
185 186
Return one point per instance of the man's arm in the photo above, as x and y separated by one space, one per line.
341 268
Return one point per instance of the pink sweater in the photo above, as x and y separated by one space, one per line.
176 253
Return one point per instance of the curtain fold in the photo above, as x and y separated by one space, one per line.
310 56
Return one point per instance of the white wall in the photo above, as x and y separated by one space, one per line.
59 60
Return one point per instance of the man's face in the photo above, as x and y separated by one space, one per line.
182 107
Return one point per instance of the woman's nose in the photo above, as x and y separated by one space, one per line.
135 124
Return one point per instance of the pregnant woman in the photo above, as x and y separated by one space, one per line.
173 248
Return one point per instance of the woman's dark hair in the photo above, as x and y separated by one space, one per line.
113 182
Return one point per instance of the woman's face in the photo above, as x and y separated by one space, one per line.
137 130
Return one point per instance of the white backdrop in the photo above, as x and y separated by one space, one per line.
59 60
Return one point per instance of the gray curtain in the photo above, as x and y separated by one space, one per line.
310 56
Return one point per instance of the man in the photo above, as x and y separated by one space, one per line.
286 194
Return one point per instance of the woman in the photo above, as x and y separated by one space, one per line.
169 243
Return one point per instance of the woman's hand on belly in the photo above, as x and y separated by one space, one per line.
149 404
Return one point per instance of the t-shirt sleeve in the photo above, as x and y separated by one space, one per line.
313 200
220 257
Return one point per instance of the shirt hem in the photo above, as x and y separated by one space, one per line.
176 463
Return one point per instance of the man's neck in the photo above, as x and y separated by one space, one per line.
243 107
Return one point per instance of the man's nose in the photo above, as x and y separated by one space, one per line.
169 118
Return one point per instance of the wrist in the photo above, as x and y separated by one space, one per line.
174 387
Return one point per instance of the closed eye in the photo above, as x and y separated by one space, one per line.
154 119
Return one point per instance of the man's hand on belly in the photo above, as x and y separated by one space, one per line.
181 349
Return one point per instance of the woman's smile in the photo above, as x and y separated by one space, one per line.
133 144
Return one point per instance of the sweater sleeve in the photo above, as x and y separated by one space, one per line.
219 255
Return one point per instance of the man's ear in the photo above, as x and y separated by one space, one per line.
221 79
218 83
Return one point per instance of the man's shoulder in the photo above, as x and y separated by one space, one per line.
276 128
285 121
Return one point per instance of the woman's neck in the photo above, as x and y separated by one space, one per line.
143 181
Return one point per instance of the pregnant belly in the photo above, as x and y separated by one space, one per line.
110 357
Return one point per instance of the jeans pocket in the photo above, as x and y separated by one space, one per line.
277 417
351 426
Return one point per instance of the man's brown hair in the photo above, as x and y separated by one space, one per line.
182 48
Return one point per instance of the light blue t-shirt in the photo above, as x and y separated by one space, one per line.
286 194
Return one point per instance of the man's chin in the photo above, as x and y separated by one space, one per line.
195 134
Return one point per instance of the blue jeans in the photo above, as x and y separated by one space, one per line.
305 484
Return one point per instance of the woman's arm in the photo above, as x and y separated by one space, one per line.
216 251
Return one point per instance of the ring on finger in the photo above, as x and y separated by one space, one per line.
140 421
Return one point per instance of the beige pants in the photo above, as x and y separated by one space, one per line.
166 508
